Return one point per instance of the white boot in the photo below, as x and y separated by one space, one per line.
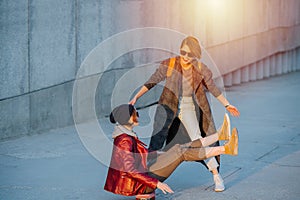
219 183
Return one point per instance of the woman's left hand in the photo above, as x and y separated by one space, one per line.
233 110
164 187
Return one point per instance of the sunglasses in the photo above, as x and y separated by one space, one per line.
189 54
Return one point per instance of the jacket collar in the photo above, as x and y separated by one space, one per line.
119 130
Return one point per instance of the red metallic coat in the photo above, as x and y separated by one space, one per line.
127 174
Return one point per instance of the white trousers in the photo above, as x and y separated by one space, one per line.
188 117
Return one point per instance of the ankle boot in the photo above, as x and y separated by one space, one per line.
231 147
224 132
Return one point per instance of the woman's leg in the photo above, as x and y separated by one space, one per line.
162 122
168 161
188 118
190 153
187 115
204 142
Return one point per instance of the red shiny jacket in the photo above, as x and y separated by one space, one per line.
127 174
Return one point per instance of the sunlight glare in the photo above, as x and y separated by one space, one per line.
217 3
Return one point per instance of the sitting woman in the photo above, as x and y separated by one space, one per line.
129 174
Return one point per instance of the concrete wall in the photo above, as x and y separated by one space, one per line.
240 35
44 42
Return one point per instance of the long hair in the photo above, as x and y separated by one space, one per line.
195 48
193 44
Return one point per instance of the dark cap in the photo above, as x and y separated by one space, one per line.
121 114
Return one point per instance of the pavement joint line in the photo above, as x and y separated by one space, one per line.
266 154
293 138
281 165
17 187
10 156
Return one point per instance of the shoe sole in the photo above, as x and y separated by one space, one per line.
235 132
228 124
219 190
228 131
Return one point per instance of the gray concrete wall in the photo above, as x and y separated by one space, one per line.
236 33
44 42
14 60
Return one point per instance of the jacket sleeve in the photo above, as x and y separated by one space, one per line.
209 82
125 148
159 75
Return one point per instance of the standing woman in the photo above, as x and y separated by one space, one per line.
184 100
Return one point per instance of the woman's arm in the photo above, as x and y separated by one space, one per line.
209 83
158 76
140 93
123 153
230 108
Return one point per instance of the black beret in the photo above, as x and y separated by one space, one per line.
121 114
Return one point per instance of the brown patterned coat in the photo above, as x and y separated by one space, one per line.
169 99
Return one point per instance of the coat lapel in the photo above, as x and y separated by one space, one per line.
197 76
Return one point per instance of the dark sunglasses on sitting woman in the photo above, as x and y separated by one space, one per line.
189 54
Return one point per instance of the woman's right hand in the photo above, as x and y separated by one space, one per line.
133 101
140 93
164 187
233 110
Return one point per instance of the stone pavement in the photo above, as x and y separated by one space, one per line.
56 164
